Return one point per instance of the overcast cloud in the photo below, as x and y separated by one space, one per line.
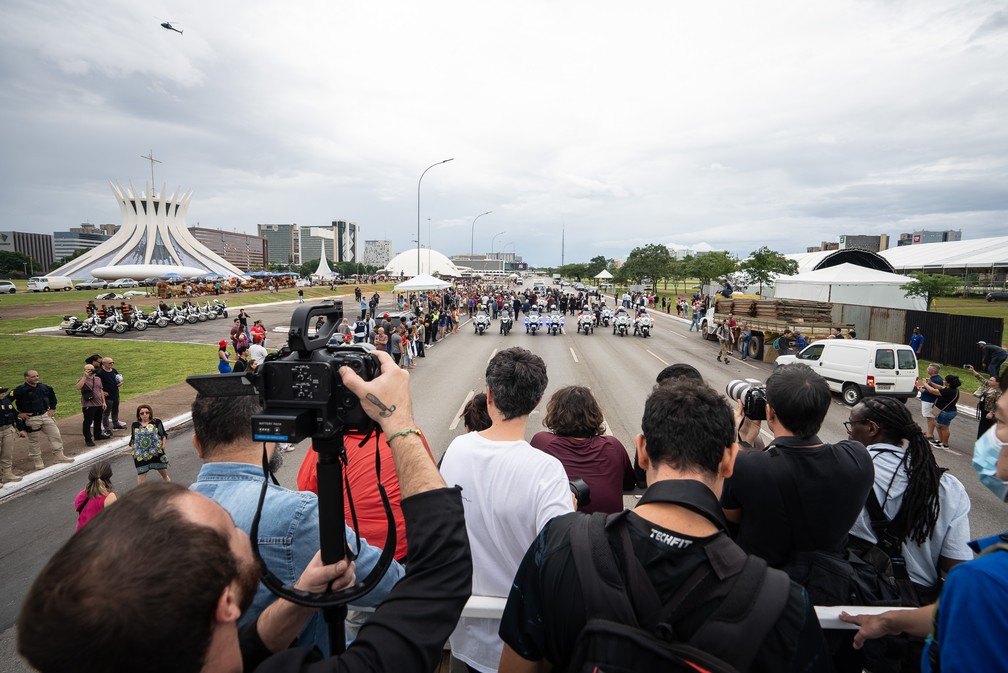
726 125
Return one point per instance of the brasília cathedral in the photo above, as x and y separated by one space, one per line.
153 241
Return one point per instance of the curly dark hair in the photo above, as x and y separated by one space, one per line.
475 414
574 412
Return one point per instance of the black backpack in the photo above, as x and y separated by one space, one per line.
630 630
830 578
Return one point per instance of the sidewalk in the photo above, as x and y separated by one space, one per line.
172 405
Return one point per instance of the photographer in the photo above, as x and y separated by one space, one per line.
831 481
204 574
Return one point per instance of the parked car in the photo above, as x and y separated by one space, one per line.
997 296
123 282
91 284
7 287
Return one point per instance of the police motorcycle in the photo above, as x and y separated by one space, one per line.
621 322
607 316
555 322
139 320
481 321
220 307
533 321
211 312
158 317
506 321
115 321
74 326
190 313
586 321
642 324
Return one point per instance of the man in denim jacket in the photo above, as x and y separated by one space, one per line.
289 528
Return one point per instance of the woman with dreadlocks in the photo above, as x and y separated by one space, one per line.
910 486
916 507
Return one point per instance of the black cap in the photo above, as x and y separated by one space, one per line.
3 390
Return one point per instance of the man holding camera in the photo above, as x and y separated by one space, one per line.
510 490
232 476
801 494
676 537
206 575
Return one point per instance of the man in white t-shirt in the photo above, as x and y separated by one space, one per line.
509 491
257 353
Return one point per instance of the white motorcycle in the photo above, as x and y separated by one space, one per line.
555 324
532 323
481 321
586 322
621 324
643 326
506 322
607 316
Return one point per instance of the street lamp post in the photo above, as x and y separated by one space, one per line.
494 238
418 208
472 232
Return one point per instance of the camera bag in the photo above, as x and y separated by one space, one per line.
628 629
87 393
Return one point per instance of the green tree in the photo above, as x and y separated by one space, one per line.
651 261
596 265
929 286
710 265
764 265
13 262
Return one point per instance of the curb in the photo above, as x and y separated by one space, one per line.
39 477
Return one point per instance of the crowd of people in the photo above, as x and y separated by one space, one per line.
725 551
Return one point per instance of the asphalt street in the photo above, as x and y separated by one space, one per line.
619 370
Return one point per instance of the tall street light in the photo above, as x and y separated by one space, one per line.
473 231
494 238
418 208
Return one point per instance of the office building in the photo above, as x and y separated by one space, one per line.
283 243
245 251
346 241
859 242
924 236
39 247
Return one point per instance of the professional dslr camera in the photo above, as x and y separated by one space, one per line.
753 395
299 385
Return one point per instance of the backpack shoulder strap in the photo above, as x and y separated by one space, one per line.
602 586
745 616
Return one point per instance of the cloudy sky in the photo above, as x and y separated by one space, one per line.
722 124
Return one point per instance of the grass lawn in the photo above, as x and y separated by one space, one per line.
146 366
971 306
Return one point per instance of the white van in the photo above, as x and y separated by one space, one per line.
856 368
47 283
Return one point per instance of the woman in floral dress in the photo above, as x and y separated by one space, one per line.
149 441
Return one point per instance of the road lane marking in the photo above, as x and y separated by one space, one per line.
492 356
458 416
656 357
574 355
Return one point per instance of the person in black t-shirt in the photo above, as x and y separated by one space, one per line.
832 480
688 447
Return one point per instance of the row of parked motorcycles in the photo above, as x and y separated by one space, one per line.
136 319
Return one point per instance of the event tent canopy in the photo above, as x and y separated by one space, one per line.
421 282
849 284
603 275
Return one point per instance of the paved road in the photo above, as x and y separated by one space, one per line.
620 371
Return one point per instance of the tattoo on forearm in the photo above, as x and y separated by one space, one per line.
385 411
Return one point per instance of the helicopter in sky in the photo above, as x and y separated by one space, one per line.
167 26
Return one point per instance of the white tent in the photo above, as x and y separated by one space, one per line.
323 270
603 275
849 284
421 282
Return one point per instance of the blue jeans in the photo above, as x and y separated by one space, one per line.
744 344
695 322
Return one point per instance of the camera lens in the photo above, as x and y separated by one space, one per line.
736 389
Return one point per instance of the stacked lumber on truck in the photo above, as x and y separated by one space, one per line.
778 310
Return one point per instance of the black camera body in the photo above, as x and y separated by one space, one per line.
753 396
301 389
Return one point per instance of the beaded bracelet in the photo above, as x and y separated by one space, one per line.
403 433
